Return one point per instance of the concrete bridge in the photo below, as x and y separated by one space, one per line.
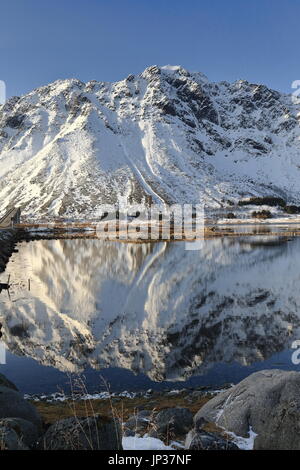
11 218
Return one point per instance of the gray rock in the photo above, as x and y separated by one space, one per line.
9 440
7 383
13 405
128 432
172 422
138 424
268 402
92 433
202 440
145 414
197 394
25 430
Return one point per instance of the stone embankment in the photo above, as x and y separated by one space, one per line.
8 240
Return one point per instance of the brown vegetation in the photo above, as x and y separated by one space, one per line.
123 407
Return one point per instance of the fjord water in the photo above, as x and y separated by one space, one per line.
149 315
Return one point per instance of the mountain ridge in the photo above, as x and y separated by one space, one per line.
164 136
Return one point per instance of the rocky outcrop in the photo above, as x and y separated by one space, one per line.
266 403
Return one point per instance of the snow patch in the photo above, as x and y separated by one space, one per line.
147 443
244 443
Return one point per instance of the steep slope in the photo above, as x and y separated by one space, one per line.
166 135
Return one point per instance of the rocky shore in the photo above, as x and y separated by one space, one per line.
261 412
8 240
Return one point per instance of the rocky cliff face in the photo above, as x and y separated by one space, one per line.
166 135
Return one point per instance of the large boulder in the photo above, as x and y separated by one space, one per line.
13 405
266 402
26 431
91 433
172 422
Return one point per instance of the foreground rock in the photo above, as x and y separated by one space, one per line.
141 423
13 405
93 433
9 440
202 440
26 432
268 402
172 423
20 423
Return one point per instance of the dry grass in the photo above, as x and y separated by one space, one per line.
122 408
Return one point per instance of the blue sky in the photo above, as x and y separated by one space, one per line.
43 40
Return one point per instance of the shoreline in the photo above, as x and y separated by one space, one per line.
9 238
187 419
58 406
220 229
8 241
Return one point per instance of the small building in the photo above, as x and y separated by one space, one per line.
16 218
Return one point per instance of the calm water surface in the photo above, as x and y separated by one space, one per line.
149 315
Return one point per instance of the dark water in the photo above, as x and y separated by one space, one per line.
149 315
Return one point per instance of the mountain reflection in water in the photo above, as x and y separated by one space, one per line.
153 309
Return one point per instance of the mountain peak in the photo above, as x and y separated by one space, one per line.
167 135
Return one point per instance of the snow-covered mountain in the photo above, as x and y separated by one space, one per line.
166 135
